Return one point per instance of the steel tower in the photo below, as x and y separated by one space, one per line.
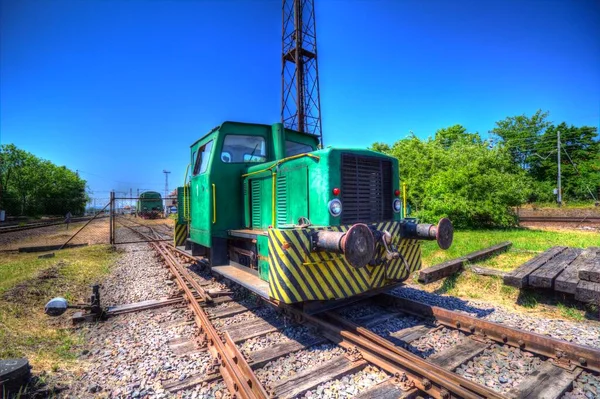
300 100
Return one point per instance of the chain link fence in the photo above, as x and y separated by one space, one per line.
30 234
139 220
113 220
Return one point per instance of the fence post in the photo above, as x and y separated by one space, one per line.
112 217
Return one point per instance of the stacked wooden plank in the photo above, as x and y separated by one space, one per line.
563 269
445 269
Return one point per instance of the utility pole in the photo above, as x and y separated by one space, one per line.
300 98
559 194
166 172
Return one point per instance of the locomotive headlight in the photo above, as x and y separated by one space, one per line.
335 207
397 205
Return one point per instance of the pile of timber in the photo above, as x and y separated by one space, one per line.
570 270
450 267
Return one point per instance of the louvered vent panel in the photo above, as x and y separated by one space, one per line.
281 200
366 189
256 203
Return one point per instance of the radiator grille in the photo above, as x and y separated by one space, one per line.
256 204
366 189
281 200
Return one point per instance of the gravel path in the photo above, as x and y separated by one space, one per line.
500 367
137 276
132 355
583 333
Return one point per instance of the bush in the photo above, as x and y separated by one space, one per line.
460 178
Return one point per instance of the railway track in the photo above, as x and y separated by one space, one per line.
561 219
401 348
35 225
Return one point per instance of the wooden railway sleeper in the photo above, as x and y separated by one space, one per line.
239 378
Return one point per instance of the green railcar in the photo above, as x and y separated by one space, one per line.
296 223
149 205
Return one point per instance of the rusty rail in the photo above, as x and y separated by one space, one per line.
561 351
238 376
421 374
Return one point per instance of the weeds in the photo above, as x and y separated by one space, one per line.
26 284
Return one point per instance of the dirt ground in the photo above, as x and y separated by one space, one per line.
96 232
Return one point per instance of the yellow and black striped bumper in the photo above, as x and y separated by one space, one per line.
180 234
296 274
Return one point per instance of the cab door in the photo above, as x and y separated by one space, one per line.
202 192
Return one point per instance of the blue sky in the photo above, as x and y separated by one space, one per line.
119 89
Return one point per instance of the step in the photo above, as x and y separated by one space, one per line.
245 277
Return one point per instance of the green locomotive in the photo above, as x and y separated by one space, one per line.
149 205
296 223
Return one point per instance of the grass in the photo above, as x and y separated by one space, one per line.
526 244
27 283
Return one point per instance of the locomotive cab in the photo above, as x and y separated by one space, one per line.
296 223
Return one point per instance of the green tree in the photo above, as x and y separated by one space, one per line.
32 186
455 134
456 175
521 135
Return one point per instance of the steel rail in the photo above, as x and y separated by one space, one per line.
237 374
423 375
560 219
12 229
565 353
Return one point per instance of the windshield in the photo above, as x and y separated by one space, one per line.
294 148
243 149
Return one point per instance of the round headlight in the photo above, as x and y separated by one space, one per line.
397 205
335 207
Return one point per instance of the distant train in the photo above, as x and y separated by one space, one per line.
150 205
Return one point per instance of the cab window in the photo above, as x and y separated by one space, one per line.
238 149
202 158
295 148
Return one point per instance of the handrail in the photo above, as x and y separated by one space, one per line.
214 187
273 189
186 197
282 161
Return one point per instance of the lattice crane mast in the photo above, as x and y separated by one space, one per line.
300 100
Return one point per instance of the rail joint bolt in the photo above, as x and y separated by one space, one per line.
426 383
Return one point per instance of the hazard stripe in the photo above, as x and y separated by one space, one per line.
180 234
287 280
299 274
305 287
291 271
274 279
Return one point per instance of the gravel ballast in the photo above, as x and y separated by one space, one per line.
297 362
500 367
348 386
582 333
